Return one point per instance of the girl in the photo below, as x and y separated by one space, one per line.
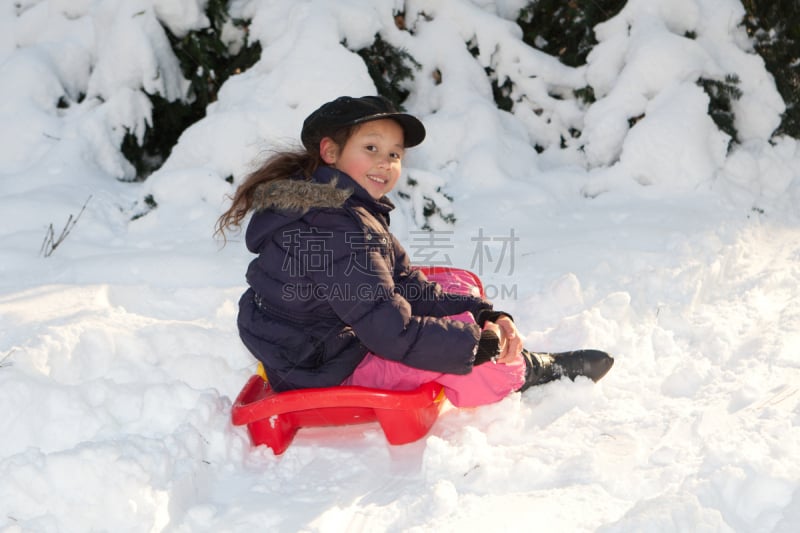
333 299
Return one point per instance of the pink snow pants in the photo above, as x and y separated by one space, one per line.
487 383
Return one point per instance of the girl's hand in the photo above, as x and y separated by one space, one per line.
510 341
491 326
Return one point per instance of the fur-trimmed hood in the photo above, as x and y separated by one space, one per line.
285 202
299 195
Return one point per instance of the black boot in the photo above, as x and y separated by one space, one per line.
545 367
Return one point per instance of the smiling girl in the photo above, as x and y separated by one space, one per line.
332 297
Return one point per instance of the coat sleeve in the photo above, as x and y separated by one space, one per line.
427 297
359 286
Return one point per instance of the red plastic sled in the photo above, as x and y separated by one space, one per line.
274 418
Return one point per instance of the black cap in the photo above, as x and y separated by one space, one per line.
348 111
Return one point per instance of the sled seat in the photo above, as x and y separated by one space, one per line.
273 418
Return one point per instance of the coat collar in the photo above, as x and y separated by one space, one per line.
329 188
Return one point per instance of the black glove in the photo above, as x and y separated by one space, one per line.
488 347
487 315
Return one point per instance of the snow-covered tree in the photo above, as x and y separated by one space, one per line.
774 26
552 83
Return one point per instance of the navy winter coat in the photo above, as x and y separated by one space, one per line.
330 283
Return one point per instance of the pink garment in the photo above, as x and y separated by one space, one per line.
487 383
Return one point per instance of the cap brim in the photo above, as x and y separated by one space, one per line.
413 130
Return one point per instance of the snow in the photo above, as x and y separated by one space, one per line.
646 237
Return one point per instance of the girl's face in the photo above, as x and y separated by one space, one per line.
372 156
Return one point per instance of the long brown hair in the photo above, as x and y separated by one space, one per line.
296 164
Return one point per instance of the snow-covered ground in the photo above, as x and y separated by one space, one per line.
119 356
